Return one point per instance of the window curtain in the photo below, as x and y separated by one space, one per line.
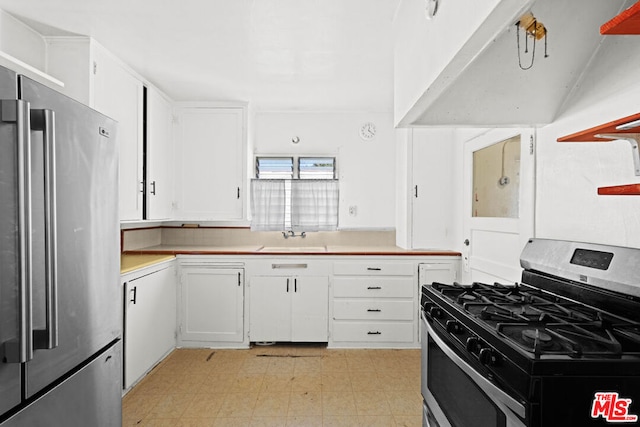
268 205
314 205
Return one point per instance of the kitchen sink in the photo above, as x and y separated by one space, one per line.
293 249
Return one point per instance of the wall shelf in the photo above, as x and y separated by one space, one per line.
627 129
625 23
620 190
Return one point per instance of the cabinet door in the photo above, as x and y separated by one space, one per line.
270 308
310 309
150 322
159 158
212 304
443 272
209 181
432 202
119 95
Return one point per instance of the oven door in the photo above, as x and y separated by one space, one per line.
456 395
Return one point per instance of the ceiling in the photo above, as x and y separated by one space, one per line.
275 54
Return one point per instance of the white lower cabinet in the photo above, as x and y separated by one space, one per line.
374 303
211 306
289 308
149 319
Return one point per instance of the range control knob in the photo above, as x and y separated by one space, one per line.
453 327
488 357
435 312
472 344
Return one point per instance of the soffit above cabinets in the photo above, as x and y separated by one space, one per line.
488 88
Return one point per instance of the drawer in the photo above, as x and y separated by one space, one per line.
372 309
374 287
373 331
374 268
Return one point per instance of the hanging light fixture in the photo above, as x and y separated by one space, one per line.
533 29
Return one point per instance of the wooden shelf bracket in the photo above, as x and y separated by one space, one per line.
633 139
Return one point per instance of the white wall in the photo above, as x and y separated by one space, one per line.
366 169
568 174
21 41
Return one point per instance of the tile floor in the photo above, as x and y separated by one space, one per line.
280 385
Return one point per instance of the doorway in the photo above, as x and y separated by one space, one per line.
499 192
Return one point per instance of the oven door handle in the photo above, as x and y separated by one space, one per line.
487 386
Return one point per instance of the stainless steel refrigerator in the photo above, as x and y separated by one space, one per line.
60 303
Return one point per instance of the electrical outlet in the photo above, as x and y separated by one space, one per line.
353 210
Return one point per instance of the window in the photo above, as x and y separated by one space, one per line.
300 199
274 167
316 167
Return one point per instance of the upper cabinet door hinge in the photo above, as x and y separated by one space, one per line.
531 145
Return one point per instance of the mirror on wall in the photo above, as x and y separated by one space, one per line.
496 180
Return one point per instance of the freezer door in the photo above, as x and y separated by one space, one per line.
10 248
76 299
90 397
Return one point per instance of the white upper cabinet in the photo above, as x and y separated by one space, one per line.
119 95
95 77
159 156
210 160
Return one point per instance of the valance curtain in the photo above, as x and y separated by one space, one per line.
268 204
298 204
314 205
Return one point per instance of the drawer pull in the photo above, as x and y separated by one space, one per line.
275 266
374 333
374 269
374 310
374 287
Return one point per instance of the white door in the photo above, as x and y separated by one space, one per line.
212 304
498 204
149 328
210 163
160 161
432 200
270 308
310 309
119 95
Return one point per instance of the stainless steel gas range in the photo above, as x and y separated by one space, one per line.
561 348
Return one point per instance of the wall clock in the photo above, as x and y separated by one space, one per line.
368 131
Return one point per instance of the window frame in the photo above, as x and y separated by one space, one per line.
295 164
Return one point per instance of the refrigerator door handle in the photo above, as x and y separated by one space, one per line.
20 349
44 121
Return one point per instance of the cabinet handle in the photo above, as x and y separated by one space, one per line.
416 191
295 285
238 193
374 287
374 310
374 269
153 188
142 186
287 285
276 266
374 333
239 284
134 293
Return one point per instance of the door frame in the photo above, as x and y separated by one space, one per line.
523 226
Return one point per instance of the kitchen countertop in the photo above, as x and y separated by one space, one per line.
131 262
290 250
